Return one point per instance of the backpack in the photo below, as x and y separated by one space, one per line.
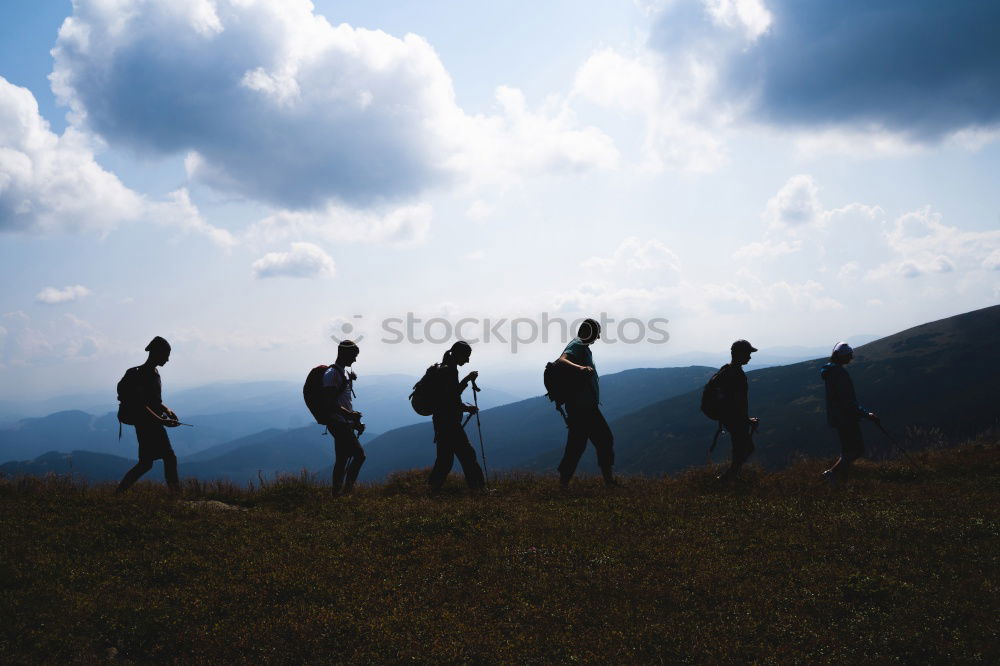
560 382
713 400
130 405
317 400
427 392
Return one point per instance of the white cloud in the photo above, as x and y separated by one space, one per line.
682 131
992 262
304 260
751 16
795 204
398 226
54 296
51 183
923 244
638 262
62 339
179 212
767 249
478 210
270 101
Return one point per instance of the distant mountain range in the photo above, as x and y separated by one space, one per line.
936 376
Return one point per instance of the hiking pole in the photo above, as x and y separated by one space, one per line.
715 440
479 427
892 440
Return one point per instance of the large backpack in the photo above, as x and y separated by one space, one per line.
130 405
317 400
426 394
560 382
713 400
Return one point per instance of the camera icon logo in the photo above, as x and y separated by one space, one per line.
347 329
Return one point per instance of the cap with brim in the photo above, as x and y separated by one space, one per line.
742 344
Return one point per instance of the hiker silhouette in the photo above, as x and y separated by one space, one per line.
733 390
583 413
140 393
449 435
343 422
843 412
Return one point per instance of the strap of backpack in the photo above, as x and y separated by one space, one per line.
562 412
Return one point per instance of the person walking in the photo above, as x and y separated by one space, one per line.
140 393
449 435
843 413
583 412
344 423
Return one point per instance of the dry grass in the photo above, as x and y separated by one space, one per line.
901 565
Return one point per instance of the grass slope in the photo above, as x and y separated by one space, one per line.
901 565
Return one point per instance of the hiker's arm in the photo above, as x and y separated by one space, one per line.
172 421
348 413
471 377
582 368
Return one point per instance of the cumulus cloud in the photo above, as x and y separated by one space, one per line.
304 260
638 262
924 68
52 183
795 204
54 296
921 243
269 100
179 212
682 131
402 225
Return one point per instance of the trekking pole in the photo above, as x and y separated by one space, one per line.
479 427
892 440
715 440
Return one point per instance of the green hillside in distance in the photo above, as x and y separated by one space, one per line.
938 378
899 566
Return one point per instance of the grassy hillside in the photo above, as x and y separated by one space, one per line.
901 565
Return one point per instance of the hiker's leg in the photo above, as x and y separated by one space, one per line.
444 460
339 471
576 442
467 458
343 449
852 447
354 466
150 442
133 474
604 441
742 444
170 471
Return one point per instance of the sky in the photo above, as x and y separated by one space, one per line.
255 179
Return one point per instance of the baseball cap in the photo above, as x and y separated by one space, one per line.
742 345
